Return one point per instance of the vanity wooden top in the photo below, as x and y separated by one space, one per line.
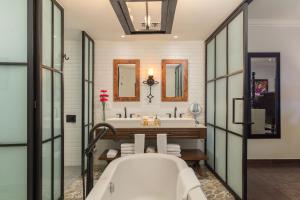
198 132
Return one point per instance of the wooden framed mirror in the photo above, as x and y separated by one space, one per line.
126 80
174 80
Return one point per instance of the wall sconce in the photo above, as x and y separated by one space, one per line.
150 82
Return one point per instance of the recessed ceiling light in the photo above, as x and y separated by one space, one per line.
175 36
122 36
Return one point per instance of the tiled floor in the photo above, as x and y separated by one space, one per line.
71 174
212 188
274 182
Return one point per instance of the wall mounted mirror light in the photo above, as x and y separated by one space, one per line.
145 16
174 80
265 95
126 80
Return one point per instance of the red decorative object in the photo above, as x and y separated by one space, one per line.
103 99
104 95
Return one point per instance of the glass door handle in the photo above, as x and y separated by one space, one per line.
233 110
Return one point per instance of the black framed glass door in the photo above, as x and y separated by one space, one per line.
226 102
16 99
88 52
51 100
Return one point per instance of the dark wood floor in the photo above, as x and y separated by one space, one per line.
276 181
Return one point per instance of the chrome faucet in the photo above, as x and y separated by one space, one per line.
125 112
175 112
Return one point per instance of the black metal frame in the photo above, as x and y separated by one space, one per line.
241 8
275 55
39 104
167 16
89 82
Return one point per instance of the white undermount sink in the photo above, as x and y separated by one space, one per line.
164 123
177 123
124 122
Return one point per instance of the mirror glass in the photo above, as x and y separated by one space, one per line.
264 94
174 80
126 81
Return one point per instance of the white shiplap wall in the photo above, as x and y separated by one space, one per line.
72 104
150 54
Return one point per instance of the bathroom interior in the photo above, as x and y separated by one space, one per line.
149 99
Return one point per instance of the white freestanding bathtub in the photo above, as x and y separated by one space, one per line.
142 177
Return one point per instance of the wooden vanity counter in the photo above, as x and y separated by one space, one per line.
198 132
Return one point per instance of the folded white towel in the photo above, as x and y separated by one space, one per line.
174 145
162 143
127 145
112 153
139 143
186 182
127 148
175 154
173 149
126 151
126 154
150 150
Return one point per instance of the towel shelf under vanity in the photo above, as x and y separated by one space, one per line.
175 133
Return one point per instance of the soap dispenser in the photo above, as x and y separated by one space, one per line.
156 121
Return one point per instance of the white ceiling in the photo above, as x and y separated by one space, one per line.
194 19
288 10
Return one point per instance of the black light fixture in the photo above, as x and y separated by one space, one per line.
145 16
150 82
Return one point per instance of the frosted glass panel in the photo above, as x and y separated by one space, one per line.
221 153
13 104
46 104
57 39
86 58
210 146
235 90
210 102
13 23
235 160
46 174
236 44
91 103
221 103
86 103
13 173
57 104
91 61
47 13
221 54
211 60
57 168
